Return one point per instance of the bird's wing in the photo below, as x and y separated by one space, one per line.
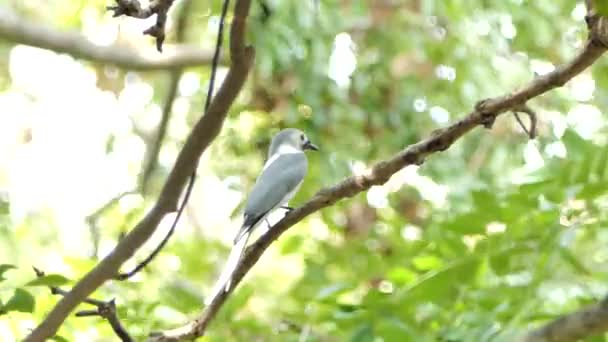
274 186
277 184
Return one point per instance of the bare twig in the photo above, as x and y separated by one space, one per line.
203 133
132 8
182 206
484 114
151 159
20 30
572 327
106 310
92 219
531 132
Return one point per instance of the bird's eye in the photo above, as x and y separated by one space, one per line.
302 137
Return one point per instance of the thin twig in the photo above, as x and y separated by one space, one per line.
93 218
154 151
484 114
106 310
190 186
531 132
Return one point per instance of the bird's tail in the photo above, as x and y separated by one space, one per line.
225 280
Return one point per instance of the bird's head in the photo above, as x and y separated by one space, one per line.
291 140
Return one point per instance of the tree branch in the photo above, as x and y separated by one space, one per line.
132 8
21 31
484 114
203 133
575 326
105 310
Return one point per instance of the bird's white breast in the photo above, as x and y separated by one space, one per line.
282 150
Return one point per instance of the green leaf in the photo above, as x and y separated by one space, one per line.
392 329
332 291
365 333
21 301
49 280
291 244
602 7
59 338
595 339
569 258
181 298
237 301
401 275
4 268
427 262
470 223
4 208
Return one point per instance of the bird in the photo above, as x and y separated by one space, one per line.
280 179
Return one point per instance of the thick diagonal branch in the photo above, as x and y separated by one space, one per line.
572 327
203 133
22 31
484 114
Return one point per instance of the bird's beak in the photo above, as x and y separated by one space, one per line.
310 146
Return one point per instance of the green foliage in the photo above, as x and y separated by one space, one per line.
4 268
21 301
601 6
49 280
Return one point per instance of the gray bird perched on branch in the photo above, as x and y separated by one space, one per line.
281 178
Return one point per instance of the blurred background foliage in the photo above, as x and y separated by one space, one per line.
482 242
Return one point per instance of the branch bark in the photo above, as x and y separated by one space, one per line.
132 8
203 133
484 114
575 326
22 31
